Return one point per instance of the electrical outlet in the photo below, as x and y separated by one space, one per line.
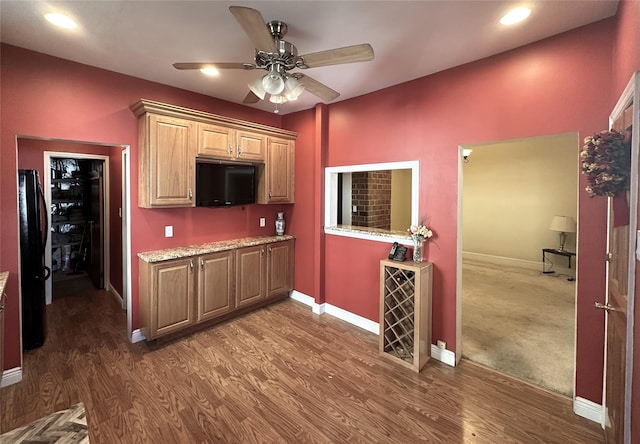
168 231
442 345
263 222
354 209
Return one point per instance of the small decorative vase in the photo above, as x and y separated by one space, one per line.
280 224
418 249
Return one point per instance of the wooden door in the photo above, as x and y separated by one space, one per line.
171 161
621 266
215 141
279 268
95 267
172 296
280 167
618 274
215 284
250 146
250 275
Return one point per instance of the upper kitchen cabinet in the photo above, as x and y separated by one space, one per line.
276 178
166 165
223 142
171 137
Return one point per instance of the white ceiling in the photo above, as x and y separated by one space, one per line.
411 39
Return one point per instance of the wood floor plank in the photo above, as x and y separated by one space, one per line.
280 374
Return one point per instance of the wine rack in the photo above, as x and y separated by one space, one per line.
405 312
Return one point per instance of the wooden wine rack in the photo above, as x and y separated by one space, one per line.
405 312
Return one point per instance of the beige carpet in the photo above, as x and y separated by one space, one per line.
520 322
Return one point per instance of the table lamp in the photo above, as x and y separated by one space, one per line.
563 224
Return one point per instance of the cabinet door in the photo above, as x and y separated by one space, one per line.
215 141
168 177
250 275
279 268
279 167
250 146
172 296
215 284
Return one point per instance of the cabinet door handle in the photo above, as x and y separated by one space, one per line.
191 264
239 149
201 263
262 252
190 194
230 149
269 251
269 194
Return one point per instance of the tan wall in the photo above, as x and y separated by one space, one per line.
400 199
511 192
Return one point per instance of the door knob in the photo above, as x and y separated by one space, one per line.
607 307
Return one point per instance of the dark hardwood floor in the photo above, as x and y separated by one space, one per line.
279 374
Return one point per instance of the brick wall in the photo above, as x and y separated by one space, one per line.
371 194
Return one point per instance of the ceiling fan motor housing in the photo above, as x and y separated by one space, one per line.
286 56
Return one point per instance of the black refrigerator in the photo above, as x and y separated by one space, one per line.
33 272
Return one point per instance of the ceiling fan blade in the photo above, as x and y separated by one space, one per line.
255 27
251 98
214 65
348 54
318 89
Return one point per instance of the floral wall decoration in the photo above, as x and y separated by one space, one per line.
606 161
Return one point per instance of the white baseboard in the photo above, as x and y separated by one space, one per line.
446 356
115 294
443 355
587 409
503 261
137 336
11 376
352 318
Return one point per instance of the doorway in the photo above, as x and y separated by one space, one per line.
79 231
34 152
516 309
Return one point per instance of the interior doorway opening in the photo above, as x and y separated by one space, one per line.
517 310
37 153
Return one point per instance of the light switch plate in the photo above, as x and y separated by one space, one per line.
168 231
263 222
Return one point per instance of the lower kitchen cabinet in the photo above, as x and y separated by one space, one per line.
166 296
279 267
178 293
215 285
250 275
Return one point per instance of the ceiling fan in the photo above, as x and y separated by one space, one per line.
278 57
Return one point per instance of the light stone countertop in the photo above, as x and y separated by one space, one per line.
371 231
211 247
3 280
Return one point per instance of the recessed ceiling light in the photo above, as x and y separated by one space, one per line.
60 20
210 71
515 15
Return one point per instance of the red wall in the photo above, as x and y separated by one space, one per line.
626 61
42 96
549 87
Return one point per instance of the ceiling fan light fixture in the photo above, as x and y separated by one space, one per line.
257 88
293 88
278 99
273 83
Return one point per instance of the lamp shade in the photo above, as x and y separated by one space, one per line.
564 224
293 88
273 83
257 89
